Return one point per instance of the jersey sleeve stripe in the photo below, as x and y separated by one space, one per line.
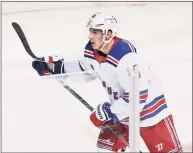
143 96
153 108
157 99
154 113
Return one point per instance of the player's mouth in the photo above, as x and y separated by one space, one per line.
93 44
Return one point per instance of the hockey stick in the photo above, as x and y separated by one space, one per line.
24 41
67 74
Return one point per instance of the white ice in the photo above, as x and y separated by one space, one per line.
39 115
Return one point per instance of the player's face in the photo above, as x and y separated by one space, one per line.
96 38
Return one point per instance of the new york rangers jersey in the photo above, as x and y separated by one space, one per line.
112 70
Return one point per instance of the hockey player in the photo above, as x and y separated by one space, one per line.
112 57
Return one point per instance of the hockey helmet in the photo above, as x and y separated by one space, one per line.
103 22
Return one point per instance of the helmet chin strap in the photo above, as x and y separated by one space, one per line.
106 42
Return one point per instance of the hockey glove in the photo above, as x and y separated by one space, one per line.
47 65
102 114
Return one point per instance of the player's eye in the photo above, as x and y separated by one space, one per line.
94 31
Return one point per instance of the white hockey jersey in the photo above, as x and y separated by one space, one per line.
114 77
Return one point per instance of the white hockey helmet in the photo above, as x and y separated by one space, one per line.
103 22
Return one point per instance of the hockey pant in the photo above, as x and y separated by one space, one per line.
161 137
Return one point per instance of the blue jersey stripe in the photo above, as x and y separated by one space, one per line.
125 99
142 101
153 102
115 65
85 55
143 91
126 94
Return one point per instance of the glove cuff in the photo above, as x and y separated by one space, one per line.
95 120
51 59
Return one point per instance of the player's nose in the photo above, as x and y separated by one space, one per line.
90 36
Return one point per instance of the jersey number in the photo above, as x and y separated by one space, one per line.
110 92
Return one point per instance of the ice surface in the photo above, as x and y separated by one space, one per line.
39 115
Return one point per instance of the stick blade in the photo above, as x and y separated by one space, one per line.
23 39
